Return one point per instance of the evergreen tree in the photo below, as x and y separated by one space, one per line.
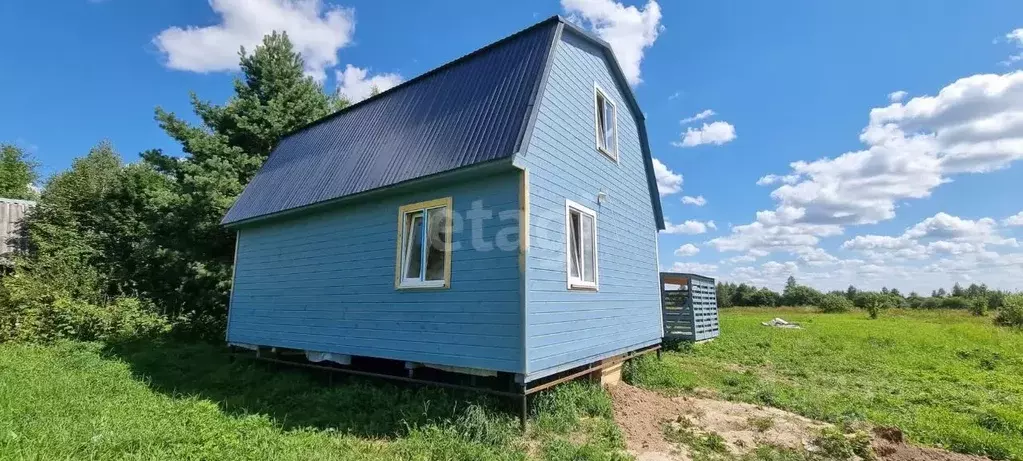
17 173
271 98
957 290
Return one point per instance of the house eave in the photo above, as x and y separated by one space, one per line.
458 174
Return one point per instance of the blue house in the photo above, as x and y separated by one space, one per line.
495 215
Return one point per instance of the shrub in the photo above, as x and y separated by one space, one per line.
832 303
955 302
37 309
873 302
978 306
1011 313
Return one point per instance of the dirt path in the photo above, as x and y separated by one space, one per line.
647 417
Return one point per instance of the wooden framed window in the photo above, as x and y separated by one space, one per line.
606 124
424 245
581 246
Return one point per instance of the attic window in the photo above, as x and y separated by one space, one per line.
424 245
606 125
581 251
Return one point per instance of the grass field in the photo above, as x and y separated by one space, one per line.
945 378
181 402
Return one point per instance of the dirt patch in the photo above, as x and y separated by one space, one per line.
643 416
889 445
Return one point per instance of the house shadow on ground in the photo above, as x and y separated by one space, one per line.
297 398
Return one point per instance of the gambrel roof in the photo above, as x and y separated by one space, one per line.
471 111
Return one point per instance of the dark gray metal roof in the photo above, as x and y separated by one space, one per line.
470 111
467 112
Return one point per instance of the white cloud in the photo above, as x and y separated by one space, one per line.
774 179
675 95
689 227
897 96
816 257
668 182
716 133
316 29
695 268
1014 220
629 30
941 234
690 200
353 84
766 236
1016 38
973 125
944 226
747 258
698 117
687 250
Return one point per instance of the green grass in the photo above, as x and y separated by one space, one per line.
188 401
945 378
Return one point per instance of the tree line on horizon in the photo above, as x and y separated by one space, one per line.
977 299
124 250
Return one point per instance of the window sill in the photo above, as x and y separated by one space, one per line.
424 286
609 155
577 286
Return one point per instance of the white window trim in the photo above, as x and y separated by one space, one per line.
576 283
400 281
596 122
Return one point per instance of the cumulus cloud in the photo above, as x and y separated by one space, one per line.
1014 220
668 182
716 133
941 234
629 30
973 125
698 117
1016 38
687 250
689 227
741 259
316 29
771 179
897 96
695 268
354 85
690 200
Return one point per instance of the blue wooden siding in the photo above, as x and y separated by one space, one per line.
325 282
566 328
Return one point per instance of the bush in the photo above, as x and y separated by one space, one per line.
932 303
955 302
1011 313
37 309
833 303
978 306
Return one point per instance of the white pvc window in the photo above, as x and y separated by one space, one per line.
424 251
606 124
581 246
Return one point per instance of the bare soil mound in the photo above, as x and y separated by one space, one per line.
644 416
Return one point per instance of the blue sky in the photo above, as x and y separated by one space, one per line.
917 192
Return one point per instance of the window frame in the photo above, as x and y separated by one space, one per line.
400 281
577 283
598 94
